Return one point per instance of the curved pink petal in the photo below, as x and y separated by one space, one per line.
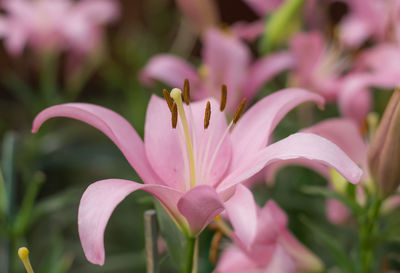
253 130
300 145
199 206
112 125
342 132
168 69
265 69
281 262
99 201
345 134
354 31
234 260
305 260
354 98
242 212
227 60
166 147
163 146
274 168
307 48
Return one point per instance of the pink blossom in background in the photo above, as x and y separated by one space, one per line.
202 14
318 67
366 19
191 170
47 25
263 243
345 134
226 60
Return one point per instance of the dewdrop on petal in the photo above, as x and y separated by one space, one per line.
23 254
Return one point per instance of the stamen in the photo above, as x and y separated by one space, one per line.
239 111
176 95
168 99
215 243
224 94
207 115
186 91
174 117
23 254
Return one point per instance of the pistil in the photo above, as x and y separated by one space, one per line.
23 254
176 95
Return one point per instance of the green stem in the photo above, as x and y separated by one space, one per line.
368 227
48 77
191 253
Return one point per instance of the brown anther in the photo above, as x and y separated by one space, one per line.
224 94
215 242
207 115
174 118
239 111
168 99
186 92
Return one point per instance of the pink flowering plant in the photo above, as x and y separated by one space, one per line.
255 136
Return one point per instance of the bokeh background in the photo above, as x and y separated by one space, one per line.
46 173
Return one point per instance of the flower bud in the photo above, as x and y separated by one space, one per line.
384 152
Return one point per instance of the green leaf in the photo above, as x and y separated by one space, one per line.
281 25
3 198
173 236
338 253
24 214
322 191
7 166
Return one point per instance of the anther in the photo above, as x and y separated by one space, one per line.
168 99
186 92
174 118
239 111
224 94
207 115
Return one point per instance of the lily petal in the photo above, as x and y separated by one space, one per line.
164 145
300 145
342 132
242 212
281 262
253 130
168 69
112 125
234 260
199 206
99 201
265 69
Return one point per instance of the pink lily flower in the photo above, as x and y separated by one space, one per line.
366 19
47 25
194 168
226 60
262 240
375 67
318 68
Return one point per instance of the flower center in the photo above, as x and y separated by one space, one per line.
199 159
